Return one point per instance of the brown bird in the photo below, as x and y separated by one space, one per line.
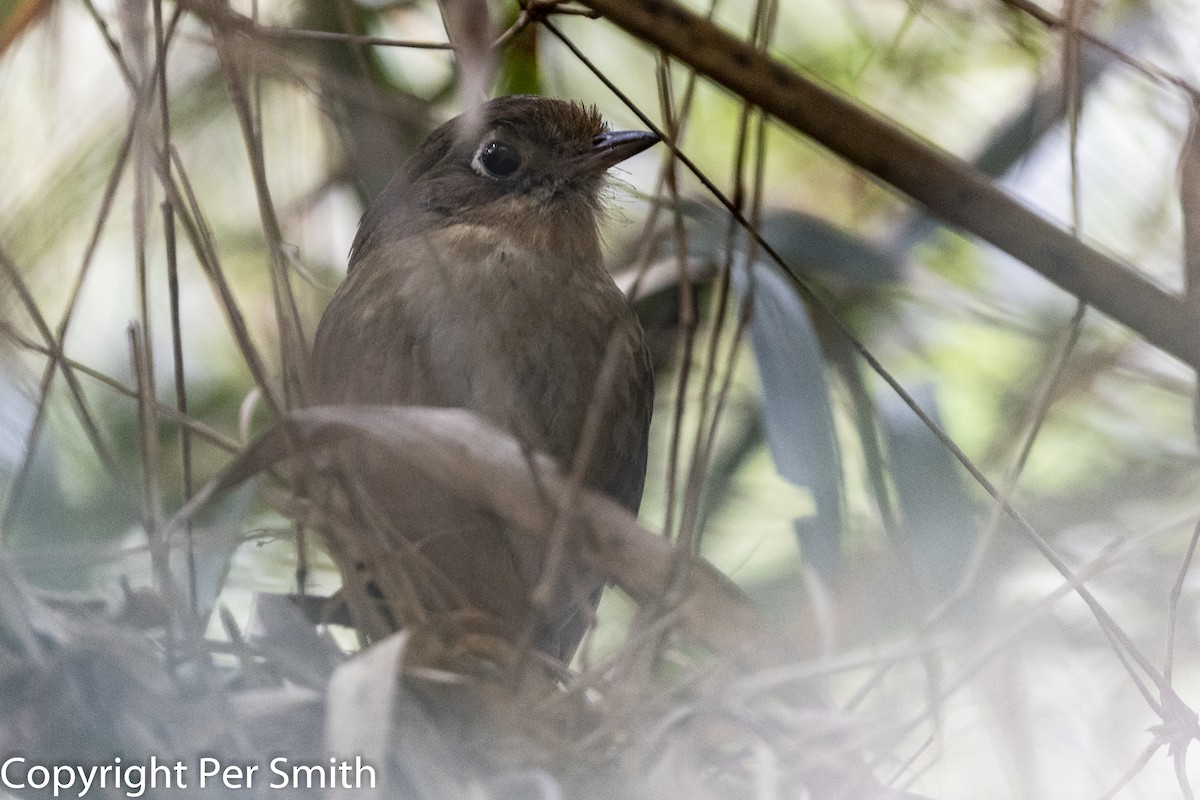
476 281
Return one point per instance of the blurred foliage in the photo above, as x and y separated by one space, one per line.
807 440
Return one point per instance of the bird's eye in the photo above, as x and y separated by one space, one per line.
499 159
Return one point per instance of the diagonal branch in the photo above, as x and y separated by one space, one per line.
949 187
482 466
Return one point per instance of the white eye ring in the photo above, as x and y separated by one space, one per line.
495 159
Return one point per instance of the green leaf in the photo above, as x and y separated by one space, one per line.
796 408
931 490
518 68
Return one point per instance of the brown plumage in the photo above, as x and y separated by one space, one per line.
476 281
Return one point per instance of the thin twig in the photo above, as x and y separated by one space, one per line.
1050 20
54 346
284 34
161 42
706 424
111 43
148 445
1138 765
1189 201
1173 605
687 311
293 349
949 187
181 196
205 432
749 68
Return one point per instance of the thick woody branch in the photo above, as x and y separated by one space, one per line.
949 187
482 466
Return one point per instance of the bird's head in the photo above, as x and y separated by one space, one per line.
517 163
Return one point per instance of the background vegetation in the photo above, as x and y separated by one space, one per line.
1031 634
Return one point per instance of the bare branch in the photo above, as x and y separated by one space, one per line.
947 186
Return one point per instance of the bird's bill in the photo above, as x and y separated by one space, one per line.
613 147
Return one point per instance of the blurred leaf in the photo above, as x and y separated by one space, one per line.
63 211
216 534
809 244
1041 113
821 549
284 719
519 73
796 410
17 410
378 120
820 249
60 531
22 620
743 433
359 706
16 16
849 367
931 490
305 654
1043 109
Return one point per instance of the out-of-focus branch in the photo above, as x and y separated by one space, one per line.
949 187
483 466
